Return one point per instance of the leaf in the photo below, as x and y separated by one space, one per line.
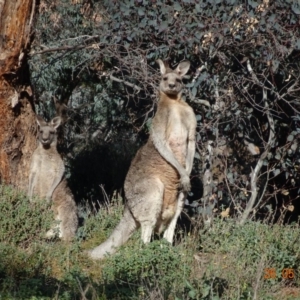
220 194
254 150
230 2
225 213
163 26
205 291
141 12
296 8
290 138
192 294
285 192
197 155
198 117
152 23
275 65
188 285
253 4
194 91
230 177
177 6
125 10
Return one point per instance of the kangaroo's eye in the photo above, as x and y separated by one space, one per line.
165 78
178 80
52 132
41 131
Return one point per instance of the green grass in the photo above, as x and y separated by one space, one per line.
226 261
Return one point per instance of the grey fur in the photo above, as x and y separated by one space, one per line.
46 180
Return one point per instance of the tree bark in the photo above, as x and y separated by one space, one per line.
17 117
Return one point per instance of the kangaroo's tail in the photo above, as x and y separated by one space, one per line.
119 236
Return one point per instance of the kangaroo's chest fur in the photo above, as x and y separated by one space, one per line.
176 115
48 165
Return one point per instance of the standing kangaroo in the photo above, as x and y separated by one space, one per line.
158 179
46 180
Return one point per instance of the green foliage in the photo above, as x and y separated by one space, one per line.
23 220
276 245
230 264
147 266
105 219
23 226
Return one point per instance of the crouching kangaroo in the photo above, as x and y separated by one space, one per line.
46 180
158 179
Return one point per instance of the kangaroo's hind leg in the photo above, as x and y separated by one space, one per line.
169 233
67 213
147 205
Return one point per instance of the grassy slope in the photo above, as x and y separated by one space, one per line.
225 262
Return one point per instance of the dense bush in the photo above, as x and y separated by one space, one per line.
98 59
23 220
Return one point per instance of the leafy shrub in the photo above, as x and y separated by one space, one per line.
22 221
244 254
23 225
148 266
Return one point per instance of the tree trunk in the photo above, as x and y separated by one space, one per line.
17 117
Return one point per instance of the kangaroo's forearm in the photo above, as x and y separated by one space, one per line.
165 151
55 183
190 155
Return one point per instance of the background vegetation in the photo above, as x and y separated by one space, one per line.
93 63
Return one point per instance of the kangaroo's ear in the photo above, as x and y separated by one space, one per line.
40 121
183 68
55 122
162 66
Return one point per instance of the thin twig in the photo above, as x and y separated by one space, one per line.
66 48
262 194
229 190
134 86
198 71
255 172
201 101
207 185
